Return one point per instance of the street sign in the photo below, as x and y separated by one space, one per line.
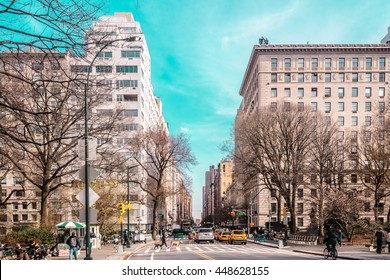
93 173
93 197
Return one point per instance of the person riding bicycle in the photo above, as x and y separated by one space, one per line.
330 240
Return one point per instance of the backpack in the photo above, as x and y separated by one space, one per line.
73 242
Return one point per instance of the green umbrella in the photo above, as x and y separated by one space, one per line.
70 225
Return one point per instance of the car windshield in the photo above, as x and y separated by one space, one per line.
238 232
205 230
226 233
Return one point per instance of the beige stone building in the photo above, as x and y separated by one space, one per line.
349 83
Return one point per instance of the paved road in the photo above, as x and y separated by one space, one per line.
218 251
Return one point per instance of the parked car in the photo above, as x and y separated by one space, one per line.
205 234
238 236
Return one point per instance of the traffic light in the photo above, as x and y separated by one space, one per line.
285 211
121 208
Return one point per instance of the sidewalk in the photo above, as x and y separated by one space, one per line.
107 252
350 252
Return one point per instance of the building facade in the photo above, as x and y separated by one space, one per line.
349 83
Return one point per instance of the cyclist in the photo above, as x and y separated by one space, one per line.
330 240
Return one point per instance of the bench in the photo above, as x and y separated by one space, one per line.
303 239
7 254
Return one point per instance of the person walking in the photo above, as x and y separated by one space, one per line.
74 245
340 237
163 240
379 235
388 242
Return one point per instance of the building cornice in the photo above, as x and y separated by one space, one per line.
324 48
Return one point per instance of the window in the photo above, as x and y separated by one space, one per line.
341 77
354 178
15 218
274 63
119 97
103 69
301 77
274 78
287 63
367 120
340 121
37 66
381 107
355 92
341 63
104 55
314 78
313 192
328 106
367 106
355 63
301 63
354 150
368 77
130 53
368 92
382 62
381 92
300 208
301 92
355 77
314 106
341 92
127 69
274 92
340 134
80 68
381 120
300 222
354 106
328 63
328 77
381 77
55 66
301 106
287 77
24 205
34 205
354 135
314 63
128 113
287 106
327 119
313 92
328 92
287 92
367 135
274 106
368 63
15 206
341 106
126 83
354 121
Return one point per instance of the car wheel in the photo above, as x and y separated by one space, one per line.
212 241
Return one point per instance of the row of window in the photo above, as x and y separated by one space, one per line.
329 77
328 63
104 69
124 54
19 218
328 92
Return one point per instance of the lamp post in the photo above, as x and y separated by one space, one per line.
87 179
128 207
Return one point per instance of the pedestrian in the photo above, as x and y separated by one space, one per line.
340 237
379 240
126 238
388 242
116 239
163 240
74 245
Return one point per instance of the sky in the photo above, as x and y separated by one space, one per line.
200 50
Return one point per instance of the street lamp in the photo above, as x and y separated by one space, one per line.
86 85
128 207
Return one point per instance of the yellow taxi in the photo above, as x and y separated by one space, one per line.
237 236
224 236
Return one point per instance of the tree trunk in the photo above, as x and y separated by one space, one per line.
44 206
155 219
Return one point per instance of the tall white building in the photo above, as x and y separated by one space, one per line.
118 60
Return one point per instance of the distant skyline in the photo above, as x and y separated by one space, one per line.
200 50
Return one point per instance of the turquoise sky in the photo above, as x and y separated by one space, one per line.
200 50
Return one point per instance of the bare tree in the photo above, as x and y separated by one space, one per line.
158 153
274 144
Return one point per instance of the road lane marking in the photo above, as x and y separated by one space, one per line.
152 256
203 255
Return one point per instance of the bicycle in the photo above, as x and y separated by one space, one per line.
332 253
